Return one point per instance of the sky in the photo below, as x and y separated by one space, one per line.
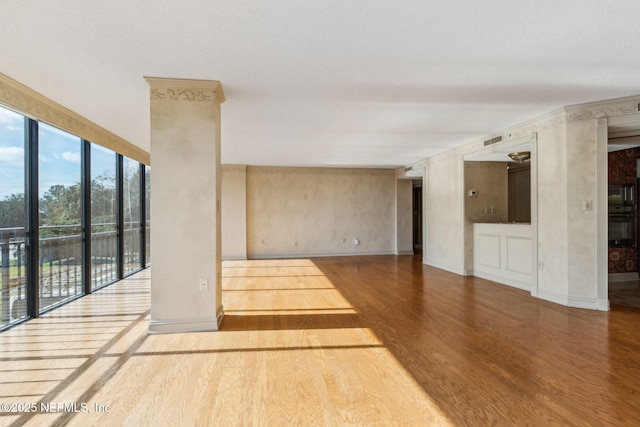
59 156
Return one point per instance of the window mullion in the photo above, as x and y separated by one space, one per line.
120 215
33 231
86 216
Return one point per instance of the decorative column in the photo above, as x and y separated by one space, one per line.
186 292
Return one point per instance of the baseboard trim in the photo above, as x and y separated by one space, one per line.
603 304
404 252
589 303
234 258
574 302
173 326
553 297
450 269
316 255
504 281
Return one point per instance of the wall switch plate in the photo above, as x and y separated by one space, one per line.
204 285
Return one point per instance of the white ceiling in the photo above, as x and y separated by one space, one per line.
328 82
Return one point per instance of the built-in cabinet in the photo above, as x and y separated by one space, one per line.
503 254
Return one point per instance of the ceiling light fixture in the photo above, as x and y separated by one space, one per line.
520 156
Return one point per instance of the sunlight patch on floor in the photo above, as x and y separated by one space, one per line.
291 351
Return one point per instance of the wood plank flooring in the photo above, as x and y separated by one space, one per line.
376 340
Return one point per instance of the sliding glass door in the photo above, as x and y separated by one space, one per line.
104 203
131 219
60 216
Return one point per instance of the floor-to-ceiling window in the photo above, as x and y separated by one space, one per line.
131 220
60 216
84 208
13 279
104 244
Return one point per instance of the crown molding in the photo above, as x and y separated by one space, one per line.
622 102
30 103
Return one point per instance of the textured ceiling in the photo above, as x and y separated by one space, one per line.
351 83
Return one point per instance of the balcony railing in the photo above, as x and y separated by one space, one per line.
60 263
13 279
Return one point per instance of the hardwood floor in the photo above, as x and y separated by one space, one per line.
377 340
625 293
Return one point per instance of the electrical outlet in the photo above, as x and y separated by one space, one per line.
540 265
204 285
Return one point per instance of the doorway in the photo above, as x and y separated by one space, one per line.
623 179
417 216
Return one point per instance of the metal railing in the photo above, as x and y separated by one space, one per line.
60 263
13 279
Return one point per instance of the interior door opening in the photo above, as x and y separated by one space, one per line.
417 216
623 181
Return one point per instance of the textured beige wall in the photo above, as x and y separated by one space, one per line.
404 216
294 212
582 225
552 206
234 211
565 178
443 222
444 208
490 181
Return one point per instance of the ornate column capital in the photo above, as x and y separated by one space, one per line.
185 90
